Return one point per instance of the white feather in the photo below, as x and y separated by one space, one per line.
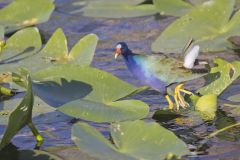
191 56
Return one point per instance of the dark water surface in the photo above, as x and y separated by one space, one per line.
139 33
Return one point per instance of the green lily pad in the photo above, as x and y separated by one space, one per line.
22 13
88 93
82 53
104 87
106 111
22 115
207 106
22 50
131 140
172 7
19 48
209 24
222 76
117 9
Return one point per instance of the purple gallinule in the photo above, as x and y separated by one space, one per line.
160 71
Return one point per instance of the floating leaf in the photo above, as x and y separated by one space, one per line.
117 9
222 76
22 13
82 53
106 111
172 7
22 115
211 37
207 106
132 140
19 48
88 93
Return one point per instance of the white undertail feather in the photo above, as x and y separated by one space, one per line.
191 56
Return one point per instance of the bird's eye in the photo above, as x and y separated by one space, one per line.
119 46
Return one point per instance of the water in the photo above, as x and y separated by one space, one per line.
139 33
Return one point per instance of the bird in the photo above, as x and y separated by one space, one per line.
160 71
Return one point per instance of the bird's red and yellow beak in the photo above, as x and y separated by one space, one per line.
117 53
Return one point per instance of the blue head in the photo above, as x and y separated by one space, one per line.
122 49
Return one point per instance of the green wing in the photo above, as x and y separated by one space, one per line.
169 70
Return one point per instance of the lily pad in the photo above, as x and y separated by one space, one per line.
172 7
22 50
131 140
19 48
88 93
207 106
222 76
22 115
82 53
117 9
106 111
22 13
210 24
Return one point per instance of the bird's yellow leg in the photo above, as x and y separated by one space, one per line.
178 96
176 99
170 103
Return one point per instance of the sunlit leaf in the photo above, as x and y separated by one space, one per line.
132 140
82 53
88 93
172 7
19 49
210 24
22 13
222 76
106 111
56 46
207 106
56 49
117 9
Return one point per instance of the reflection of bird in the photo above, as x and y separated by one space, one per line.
160 71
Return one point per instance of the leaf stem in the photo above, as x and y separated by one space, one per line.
37 135
222 130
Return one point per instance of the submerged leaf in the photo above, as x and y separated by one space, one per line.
222 76
207 106
235 109
211 37
132 140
